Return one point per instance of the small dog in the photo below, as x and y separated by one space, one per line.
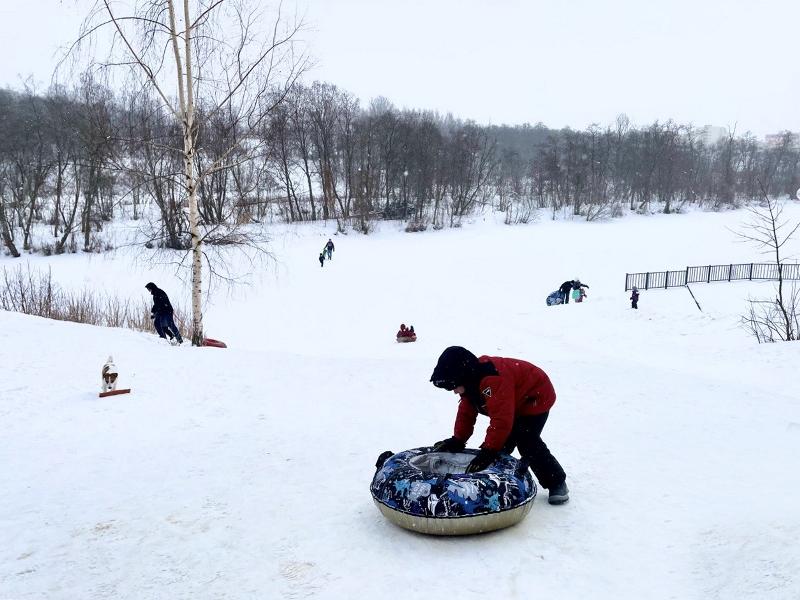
108 381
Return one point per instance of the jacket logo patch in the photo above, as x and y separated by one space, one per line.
487 392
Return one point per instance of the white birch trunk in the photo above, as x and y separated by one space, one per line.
191 180
186 99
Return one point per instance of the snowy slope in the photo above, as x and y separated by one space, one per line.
244 473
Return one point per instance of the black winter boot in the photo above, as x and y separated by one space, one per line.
559 494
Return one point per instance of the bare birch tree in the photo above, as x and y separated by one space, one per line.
202 52
775 319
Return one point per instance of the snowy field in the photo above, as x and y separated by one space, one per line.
244 473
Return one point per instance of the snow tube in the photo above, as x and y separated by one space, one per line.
555 298
430 492
214 343
406 338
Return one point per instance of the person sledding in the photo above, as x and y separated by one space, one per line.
162 314
406 334
517 397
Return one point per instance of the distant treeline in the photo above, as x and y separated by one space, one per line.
71 158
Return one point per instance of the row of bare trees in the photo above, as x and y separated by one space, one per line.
597 171
66 156
55 165
336 160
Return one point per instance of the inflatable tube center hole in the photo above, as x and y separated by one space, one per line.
442 463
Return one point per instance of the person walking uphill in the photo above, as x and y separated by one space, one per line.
517 397
162 314
329 249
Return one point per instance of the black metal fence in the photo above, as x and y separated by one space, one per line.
709 273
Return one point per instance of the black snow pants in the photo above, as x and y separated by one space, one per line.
165 326
526 436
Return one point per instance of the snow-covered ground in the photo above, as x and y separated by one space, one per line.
244 473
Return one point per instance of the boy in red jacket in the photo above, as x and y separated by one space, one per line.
517 397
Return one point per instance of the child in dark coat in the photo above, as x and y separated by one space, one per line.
635 298
322 258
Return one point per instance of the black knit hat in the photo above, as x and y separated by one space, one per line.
151 286
457 366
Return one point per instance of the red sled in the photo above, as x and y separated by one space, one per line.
114 392
406 338
214 343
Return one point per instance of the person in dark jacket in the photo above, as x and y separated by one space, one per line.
565 289
517 397
162 314
322 258
329 249
635 298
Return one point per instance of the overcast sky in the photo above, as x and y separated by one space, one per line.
721 62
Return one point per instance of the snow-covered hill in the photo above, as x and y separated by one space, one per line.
244 473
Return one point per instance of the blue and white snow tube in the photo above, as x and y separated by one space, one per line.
555 298
429 492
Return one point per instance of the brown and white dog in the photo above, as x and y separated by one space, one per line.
109 375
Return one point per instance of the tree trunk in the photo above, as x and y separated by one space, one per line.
187 105
69 223
194 230
6 232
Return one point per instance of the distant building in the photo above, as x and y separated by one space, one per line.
775 140
711 134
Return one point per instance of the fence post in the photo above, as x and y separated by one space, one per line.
686 279
693 298
730 268
750 277
708 279
647 280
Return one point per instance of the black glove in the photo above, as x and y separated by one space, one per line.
452 444
484 458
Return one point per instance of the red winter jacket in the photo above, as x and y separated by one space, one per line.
519 389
